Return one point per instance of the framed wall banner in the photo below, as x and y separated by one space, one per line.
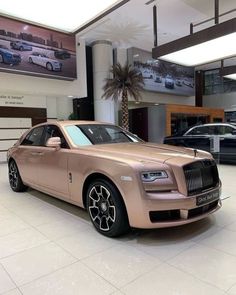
162 76
33 50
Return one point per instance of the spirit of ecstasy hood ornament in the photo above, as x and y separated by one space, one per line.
195 152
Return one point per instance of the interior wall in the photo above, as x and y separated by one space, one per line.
55 92
222 100
44 86
162 98
157 123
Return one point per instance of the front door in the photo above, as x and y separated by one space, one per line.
52 164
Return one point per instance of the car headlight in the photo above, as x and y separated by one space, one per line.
153 175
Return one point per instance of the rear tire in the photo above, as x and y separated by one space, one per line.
106 209
15 180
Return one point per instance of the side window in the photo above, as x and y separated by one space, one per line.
54 131
202 130
34 138
227 130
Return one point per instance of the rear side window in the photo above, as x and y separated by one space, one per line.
34 138
203 130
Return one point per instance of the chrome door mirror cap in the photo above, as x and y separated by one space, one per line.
54 142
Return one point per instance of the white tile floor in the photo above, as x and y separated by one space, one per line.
48 247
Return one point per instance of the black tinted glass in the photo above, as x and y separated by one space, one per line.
34 138
54 131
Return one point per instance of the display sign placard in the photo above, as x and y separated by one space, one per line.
26 101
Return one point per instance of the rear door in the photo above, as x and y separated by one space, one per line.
227 143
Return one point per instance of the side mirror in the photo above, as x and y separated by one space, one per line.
54 142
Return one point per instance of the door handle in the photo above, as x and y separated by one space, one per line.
36 153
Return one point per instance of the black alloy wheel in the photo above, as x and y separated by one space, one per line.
106 208
15 179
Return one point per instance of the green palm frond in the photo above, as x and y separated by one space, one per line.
124 78
126 82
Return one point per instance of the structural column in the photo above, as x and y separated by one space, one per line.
104 110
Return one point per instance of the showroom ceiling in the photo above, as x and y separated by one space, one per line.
131 25
66 16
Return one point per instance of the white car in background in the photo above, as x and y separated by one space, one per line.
147 74
42 60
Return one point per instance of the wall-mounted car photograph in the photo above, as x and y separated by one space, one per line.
37 51
162 76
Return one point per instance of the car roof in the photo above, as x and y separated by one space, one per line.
72 122
215 124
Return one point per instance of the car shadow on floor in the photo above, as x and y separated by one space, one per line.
60 204
173 235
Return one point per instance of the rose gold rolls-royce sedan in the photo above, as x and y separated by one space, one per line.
121 180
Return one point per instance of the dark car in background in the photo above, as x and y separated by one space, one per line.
158 79
9 57
203 137
62 54
22 46
169 82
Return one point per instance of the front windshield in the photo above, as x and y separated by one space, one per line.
99 134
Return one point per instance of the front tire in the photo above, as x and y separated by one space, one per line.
49 66
106 209
15 180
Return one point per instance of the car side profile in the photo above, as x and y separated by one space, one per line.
121 180
201 137
44 61
9 57
20 45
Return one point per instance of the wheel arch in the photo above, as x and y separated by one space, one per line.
93 177
11 159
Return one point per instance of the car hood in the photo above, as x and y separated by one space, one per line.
145 152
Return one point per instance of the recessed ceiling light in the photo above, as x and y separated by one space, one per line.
70 96
211 44
65 16
229 72
156 104
137 102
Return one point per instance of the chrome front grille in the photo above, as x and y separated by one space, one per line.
200 176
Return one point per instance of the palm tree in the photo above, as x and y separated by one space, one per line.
125 82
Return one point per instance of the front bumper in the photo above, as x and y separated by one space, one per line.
172 209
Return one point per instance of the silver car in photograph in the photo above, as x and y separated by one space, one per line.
42 60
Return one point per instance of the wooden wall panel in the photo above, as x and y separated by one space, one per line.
191 110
